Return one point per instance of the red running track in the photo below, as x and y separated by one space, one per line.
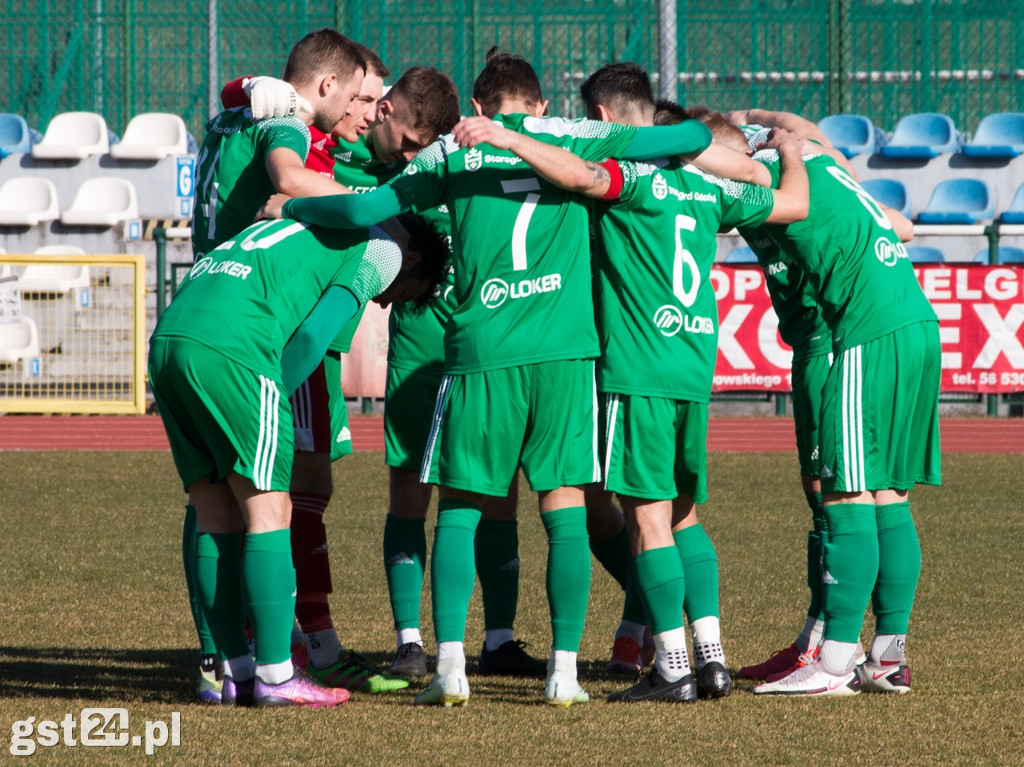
732 435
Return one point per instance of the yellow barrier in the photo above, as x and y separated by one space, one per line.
72 333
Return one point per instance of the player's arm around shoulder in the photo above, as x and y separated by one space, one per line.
290 176
792 198
555 164
725 162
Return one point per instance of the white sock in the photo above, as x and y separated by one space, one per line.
634 631
562 664
888 649
408 636
495 638
838 657
810 637
447 650
451 658
241 668
671 660
275 673
324 647
297 635
707 641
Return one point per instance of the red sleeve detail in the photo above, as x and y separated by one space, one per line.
232 95
615 185
320 158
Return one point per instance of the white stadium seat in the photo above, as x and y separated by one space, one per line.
73 136
152 136
102 201
55 278
28 201
19 340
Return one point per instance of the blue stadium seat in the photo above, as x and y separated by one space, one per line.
891 192
15 137
926 135
999 135
741 255
959 201
1015 213
851 134
1007 255
922 254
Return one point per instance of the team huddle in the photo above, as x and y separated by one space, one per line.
519 341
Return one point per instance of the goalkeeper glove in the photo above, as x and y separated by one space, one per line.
270 97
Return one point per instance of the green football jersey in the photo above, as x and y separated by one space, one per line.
657 314
801 323
248 296
415 335
859 269
357 168
519 245
231 176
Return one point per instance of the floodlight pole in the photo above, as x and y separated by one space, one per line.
668 50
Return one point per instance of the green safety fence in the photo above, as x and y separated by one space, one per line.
881 58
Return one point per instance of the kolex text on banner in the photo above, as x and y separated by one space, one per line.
981 329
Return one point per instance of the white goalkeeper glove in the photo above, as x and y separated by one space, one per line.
270 97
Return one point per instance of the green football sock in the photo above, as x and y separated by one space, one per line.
661 584
633 608
496 549
218 572
405 551
451 567
615 556
815 554
700 568
851 566
899 567
269 580
188 559
568 575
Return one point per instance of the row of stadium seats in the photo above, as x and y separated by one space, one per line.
155 135
926 135
77 135
919 254
99 201
953 201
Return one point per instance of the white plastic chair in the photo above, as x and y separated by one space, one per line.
19 341
152 136
58 279
28 201
102 201
73 136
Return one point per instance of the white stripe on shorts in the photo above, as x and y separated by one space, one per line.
611 406
853 421
435 427
266 447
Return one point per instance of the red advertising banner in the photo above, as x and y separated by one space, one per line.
980 310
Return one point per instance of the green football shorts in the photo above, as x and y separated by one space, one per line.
341 436
655 448
540 416
409 400
880 413
221 417
809 376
